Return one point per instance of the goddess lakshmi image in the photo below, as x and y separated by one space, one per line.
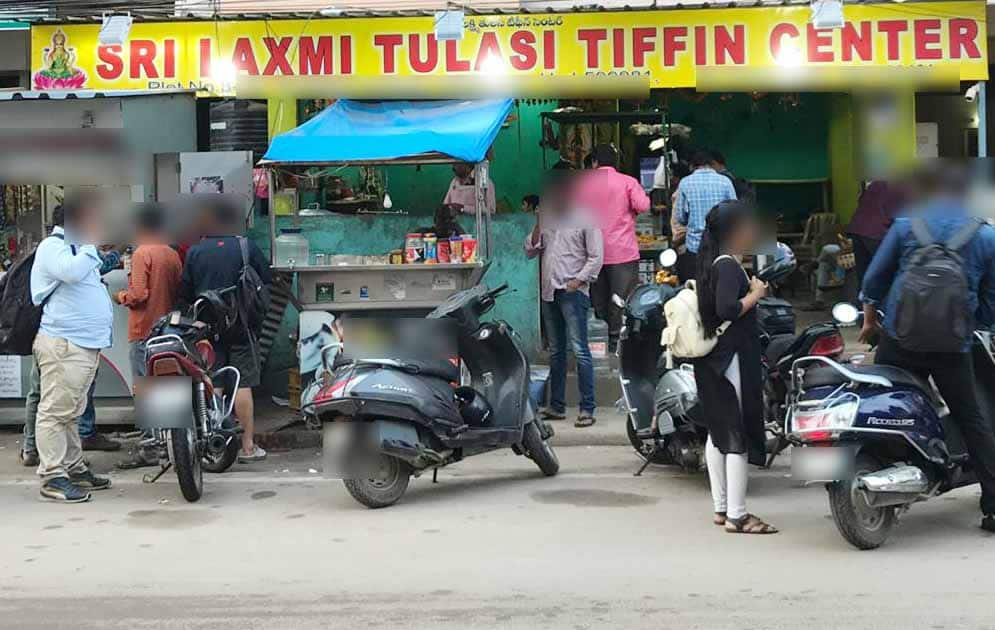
60 71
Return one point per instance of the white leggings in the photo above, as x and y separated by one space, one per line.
727 474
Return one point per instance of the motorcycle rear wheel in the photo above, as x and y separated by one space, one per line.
539 450
862 526
385 486
223 461
187 463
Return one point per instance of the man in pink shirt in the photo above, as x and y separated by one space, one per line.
615 199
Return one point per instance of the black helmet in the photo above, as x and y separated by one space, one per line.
214 309
473 407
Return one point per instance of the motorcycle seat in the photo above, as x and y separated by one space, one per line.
826 376
777 347
435 368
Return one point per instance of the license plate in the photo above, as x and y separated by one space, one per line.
810 464
165 402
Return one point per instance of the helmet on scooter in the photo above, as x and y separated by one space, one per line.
473 407
780 265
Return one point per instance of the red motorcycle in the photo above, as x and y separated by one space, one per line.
185 405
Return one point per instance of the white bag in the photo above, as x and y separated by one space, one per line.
684 336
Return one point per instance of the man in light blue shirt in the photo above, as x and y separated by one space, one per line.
696 195
76 325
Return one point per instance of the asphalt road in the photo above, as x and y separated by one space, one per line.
492 545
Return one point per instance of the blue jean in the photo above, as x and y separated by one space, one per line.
566 322
88 421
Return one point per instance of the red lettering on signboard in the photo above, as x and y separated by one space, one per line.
169 59
618 47
927 39
388 44
205 57
674 41
111 64
820 44
892 30
853 42
777 35
453 61
345 54
643 43
278 56
592 38
549 50
731 45
142 58
431 58
489 47
315 58
243 57
524 56
700 46
963 39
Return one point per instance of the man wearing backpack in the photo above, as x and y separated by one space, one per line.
76 324
218 262
931 276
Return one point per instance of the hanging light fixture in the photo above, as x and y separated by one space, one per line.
827 13
114 29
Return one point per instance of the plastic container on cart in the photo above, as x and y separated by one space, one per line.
597 341
291 248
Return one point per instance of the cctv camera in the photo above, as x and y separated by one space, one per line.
972 93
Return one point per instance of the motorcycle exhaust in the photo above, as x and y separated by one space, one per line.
216 444
896 479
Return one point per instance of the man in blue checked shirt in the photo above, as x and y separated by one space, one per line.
696 195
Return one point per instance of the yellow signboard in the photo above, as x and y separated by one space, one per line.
665 46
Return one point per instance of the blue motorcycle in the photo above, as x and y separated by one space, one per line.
879 437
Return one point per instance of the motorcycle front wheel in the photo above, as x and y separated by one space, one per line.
862 526
384 484
186 462
539 450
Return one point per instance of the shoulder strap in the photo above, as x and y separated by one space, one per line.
921 231
718 258
963 236
243 245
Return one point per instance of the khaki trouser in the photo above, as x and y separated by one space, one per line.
66 373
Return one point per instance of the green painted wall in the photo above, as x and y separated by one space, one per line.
844 169
760 140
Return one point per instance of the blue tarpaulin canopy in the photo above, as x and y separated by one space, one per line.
363 131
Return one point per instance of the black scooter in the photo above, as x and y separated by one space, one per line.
664 424
396 418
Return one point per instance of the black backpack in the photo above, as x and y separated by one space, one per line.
251 294
932 313
19 317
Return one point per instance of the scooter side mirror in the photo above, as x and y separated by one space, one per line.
668 258
845 314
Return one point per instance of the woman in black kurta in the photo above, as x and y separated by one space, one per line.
730 378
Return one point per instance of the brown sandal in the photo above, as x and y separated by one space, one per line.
748 524
720 518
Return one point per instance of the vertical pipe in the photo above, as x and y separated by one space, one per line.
982 119
271 180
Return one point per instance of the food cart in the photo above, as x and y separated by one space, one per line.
373 135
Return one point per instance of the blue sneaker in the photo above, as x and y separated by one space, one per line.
86 480
62 490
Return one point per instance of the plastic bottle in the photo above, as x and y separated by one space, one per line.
597 341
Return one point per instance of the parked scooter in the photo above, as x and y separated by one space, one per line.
662 404
879 437
401 417
200 431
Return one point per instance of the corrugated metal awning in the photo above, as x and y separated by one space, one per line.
59 95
